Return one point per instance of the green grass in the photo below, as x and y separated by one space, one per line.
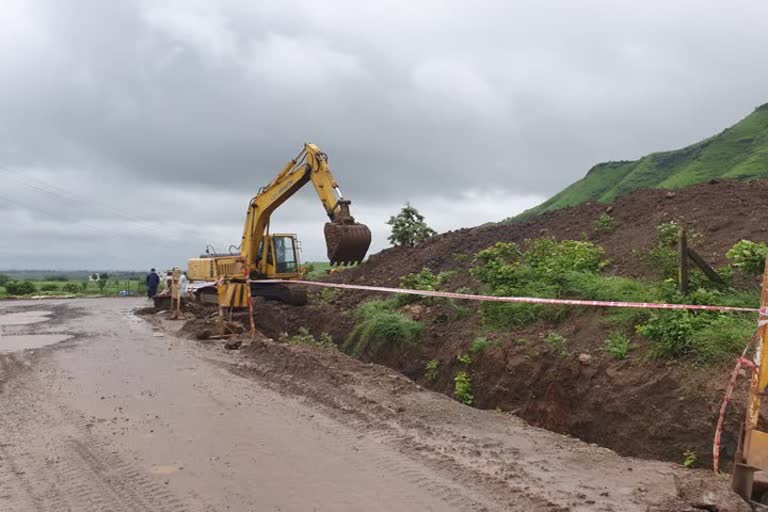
378 324
56 288
738 152
317 269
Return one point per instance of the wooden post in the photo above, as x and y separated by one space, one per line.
682 261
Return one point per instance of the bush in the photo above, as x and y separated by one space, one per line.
618 345
424 279
409 227
545 260
49 287
378 324
304 337
479 345
604 224
464 359
4 279
748 256
671 332
71 288
20 288
462 388
431 370
668 233
558 343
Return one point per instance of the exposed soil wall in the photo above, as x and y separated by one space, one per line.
639 406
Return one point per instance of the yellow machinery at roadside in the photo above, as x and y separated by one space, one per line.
232 279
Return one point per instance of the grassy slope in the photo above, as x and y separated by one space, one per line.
739 152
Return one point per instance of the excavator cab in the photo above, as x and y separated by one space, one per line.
282 259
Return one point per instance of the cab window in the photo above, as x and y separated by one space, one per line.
285 253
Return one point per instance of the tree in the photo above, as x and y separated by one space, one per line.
408 227
4 279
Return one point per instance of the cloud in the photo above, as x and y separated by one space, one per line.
163 117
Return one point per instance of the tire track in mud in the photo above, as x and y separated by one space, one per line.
50 461
467 489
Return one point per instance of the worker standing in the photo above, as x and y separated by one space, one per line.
184 283
153 281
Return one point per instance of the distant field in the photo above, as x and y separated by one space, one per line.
79 287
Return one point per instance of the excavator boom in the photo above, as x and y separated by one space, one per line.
347 241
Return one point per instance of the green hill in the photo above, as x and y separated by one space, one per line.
738 152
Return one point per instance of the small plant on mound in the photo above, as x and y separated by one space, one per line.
464 359
668 233
479 345
431 370
748 256
20 288
618 345
558 343
690 459
604 224
304 337
378 324
424 279
462 388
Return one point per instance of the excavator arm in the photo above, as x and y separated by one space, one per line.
347 241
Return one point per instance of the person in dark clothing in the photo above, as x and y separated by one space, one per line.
153 280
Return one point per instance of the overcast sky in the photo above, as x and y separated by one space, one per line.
134 132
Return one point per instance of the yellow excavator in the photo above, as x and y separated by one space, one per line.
231 279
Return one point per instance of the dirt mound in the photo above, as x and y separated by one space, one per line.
723 212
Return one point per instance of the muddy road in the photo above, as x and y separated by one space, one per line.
101 410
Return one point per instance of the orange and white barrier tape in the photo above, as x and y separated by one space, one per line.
741 361
527 300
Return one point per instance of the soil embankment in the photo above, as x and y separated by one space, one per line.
639 406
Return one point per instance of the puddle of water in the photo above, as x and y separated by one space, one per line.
16 343
25 317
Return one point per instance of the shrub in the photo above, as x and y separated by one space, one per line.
558 343
71 288
4 279
671 332
378 324
304 337
545 260
748 256
49 287
618 345
431 370
662 258
479 345
20 288
424 279
462 388
604 224
551 258
668 233
464 359
409 227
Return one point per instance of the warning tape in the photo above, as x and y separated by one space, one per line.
526 300
740 362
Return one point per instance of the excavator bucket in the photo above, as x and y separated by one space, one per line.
347 243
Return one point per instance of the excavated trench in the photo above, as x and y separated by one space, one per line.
636 407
